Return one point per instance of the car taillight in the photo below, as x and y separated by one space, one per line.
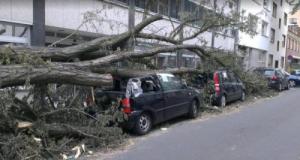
274 78
126 105
217 83
88 101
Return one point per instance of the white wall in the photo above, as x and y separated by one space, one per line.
108 18
16 10
260 42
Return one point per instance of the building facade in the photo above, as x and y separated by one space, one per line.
93 18
269 18
293 47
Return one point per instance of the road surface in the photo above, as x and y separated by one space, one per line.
266 130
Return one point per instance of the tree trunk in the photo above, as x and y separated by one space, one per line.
14 75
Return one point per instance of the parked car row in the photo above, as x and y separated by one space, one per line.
276 78
155 98
280 79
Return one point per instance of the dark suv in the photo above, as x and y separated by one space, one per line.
276 78
223 86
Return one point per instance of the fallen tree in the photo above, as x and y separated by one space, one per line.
46 133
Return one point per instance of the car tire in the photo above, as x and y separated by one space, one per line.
243 96
292 83
143 124
194 110
222 101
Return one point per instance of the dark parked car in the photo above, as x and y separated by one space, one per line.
152 99
294 78
276 78
223 86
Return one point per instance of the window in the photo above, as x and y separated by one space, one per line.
279 23
175 8
163 6
264 28
151 5
285 19
170 82
148 85
278 44
253 22
276 64
172 61
281 2
272 35
283 40
266 4
123 1
230 4
274 11
140 3
189 6
16 33
270 60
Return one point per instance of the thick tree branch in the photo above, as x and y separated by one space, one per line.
13 75
67 53
157 37
139 73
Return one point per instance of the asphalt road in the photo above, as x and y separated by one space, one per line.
266 130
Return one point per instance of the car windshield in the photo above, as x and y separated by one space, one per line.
269 72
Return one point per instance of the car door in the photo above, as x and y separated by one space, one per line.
175 96
152 99
227 86
236 87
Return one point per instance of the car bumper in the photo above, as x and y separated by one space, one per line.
131 121
273 84
216 98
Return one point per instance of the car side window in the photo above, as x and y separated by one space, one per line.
148 85
279 73
232 77
170 82
225 76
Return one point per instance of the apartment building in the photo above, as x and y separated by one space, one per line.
293 47
269 19
94 18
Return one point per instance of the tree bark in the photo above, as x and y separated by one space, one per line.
138 73
14 75
67 53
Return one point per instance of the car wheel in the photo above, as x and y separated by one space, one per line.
243 96
222 102
143 124
292 83
194 110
